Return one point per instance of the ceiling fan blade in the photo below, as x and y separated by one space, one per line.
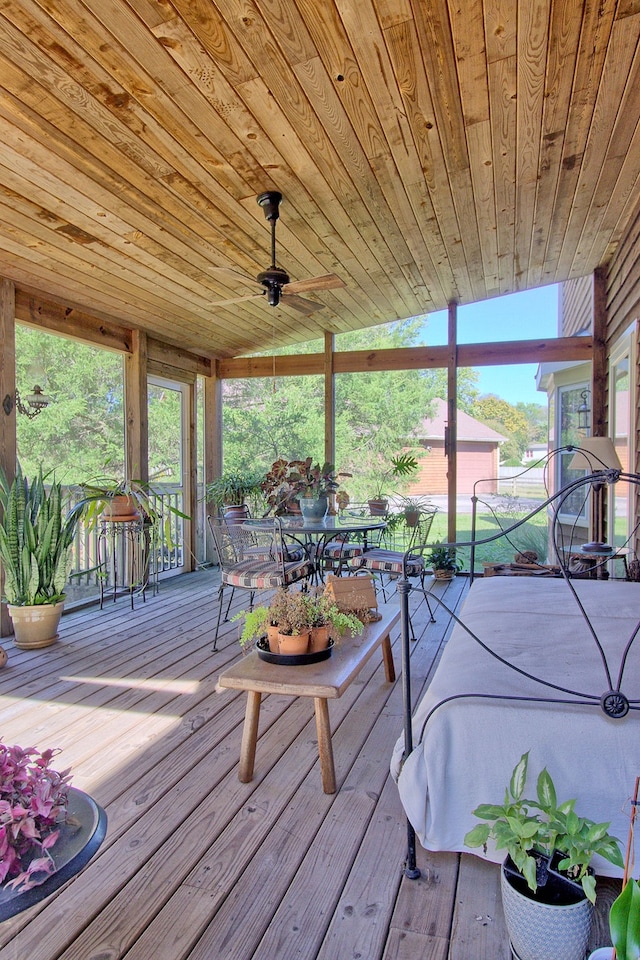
298 303
327 282
225 303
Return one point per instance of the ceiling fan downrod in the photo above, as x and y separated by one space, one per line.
273 279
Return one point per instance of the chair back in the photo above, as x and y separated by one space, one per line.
224 541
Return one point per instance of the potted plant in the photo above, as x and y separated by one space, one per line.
36 535
111 499
443 561
412 507
328 621
33 800
232 490
301 484
292 612
401 466
547 887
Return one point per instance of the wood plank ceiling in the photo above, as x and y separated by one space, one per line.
427 151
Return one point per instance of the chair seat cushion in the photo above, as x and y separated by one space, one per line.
339 550
388 561
265 574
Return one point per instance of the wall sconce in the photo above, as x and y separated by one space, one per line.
34 402
584 412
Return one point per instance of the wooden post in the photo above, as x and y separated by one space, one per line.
7 390
190 466
212 443
136 409
329 400
452 420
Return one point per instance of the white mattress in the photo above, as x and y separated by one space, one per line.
465 754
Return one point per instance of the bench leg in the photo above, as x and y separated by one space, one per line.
249 737
325 749
387 656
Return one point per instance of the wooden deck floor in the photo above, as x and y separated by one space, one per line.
197 865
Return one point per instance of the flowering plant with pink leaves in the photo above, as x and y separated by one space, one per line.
33 800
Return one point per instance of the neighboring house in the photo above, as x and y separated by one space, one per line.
478 453
535 451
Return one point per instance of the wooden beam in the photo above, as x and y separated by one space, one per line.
452 420
180 360
411 358
136 409
70 322
7 420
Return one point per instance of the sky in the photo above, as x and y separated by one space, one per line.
519 316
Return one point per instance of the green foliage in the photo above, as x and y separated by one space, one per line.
293 611
441 557
624 922
233 488
83 429
521 826
36 534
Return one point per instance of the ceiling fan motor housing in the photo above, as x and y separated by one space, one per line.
270 203
273 280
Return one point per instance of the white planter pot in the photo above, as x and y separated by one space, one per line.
37 626
540 931
602 953
314 508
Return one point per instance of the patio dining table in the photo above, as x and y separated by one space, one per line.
315 535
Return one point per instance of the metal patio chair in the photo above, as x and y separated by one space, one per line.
253 560
388 565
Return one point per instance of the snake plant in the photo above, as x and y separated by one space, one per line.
36 535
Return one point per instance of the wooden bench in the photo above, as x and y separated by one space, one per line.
325 680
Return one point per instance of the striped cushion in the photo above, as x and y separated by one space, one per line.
388 561
265 575
338 550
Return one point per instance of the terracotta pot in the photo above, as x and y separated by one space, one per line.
236 513
272 637
3 656
412 517
319 639
378 507
120 507
292 645
36 626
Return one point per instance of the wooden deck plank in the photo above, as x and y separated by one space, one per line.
198 865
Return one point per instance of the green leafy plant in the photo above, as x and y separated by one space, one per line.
36 535
525 827
624 922
233 488
288 480
401 466
323 611
441 557
99 492
293 611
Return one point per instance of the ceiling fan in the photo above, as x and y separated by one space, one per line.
275 281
